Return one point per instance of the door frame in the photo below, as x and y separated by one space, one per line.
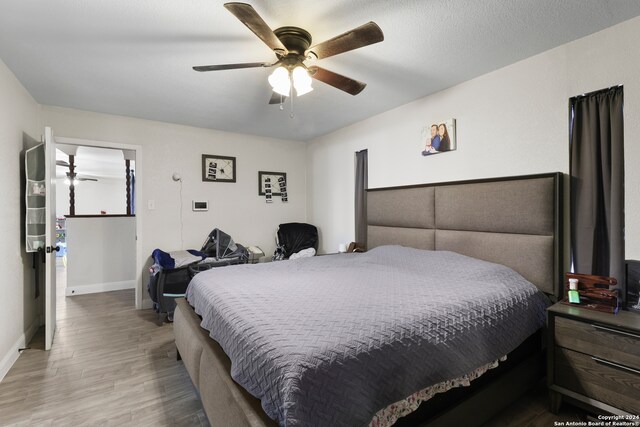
140 261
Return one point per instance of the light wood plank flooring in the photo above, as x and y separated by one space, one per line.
532 410
112 365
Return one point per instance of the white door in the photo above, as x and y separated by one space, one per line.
50 238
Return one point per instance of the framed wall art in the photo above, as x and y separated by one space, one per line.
218 168
439 137
272 184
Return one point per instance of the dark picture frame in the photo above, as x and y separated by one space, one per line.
275 189
217 168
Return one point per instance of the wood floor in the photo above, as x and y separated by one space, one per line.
110 365
113 365
532 410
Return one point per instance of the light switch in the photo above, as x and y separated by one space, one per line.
151 204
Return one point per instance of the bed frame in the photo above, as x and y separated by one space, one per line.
514 221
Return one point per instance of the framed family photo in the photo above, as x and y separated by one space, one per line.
439 137
218 168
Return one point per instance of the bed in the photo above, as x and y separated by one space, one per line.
315 341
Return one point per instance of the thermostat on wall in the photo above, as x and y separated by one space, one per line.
200 205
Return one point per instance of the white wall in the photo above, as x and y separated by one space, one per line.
512 121
101 254
91 197
19 311
236 208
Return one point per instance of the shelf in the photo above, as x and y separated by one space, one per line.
36 188
34 242
36 216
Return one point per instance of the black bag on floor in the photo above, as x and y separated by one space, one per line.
167 284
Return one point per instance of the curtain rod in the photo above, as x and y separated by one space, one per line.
596 92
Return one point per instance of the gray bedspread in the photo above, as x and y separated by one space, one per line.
329 341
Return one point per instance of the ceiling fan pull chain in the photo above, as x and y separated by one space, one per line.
291 116
281 102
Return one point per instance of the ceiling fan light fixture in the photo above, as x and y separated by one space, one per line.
292 46
280 81
301 80
68 181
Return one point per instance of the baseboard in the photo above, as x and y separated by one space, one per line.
100 287
12 355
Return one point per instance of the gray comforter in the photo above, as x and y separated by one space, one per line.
329 341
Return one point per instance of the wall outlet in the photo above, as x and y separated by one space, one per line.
151 204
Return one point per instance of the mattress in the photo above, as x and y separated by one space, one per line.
333 340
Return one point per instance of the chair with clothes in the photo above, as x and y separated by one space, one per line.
295 240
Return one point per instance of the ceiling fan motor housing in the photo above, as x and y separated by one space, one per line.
295 39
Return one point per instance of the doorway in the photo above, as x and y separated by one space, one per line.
97 219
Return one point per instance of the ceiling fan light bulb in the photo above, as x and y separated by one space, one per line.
301 90
301 76
280 81
75 182
301 80
67 182
283 89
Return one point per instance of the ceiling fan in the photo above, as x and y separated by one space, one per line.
291 46
75 177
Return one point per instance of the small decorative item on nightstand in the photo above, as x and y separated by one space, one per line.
592 292
573 294
593 359
353 247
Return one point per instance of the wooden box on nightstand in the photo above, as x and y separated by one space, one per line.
594 359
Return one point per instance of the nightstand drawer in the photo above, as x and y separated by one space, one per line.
599 340
618 386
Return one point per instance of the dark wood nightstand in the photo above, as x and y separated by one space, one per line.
594 359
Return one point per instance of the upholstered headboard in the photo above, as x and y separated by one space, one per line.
514 221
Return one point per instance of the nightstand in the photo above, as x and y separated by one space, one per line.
593 359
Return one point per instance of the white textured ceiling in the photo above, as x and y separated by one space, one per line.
93 162
134 57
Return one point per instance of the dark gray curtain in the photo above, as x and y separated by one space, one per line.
597 184
362 173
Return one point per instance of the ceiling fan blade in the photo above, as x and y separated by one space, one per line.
202 68
62 163
80 178
336 80
276 98
250 18
364 35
